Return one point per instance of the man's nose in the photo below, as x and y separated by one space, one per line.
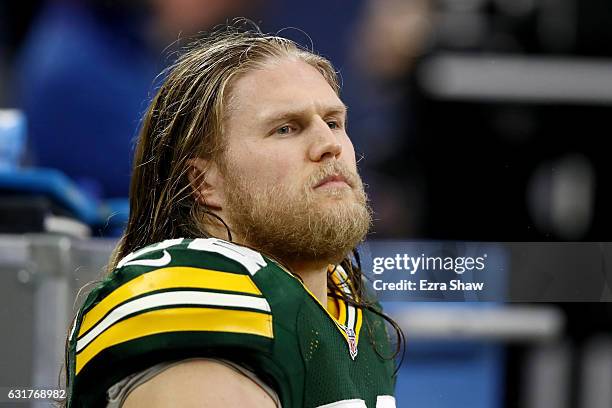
325 142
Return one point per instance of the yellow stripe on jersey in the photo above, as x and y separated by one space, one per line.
177 320
167 278
358 310
341 317
333 307
359 319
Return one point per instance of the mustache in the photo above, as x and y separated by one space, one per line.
335 168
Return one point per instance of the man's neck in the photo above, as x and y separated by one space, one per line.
314 276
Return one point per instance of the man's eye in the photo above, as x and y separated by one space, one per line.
333 124
285 130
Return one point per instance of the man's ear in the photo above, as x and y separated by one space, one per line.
206 182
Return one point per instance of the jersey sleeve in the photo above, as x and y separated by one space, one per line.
177 299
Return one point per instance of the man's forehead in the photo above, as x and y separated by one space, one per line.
281 86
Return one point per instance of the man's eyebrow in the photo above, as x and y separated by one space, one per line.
292 113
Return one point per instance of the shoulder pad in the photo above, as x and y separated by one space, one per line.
176 298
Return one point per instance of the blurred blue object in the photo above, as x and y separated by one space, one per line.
12 138
451 374
445 372
55 185
84 81
108 216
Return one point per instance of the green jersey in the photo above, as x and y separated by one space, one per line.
211 298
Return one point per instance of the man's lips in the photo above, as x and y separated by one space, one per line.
333 180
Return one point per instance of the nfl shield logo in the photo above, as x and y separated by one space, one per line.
352 343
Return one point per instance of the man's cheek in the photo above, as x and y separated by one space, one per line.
282 174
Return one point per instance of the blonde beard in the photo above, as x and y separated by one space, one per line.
292 224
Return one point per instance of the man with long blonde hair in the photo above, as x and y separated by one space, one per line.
236 282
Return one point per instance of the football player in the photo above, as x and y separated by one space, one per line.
236 283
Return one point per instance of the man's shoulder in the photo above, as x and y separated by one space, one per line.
175 299
212 253
201 264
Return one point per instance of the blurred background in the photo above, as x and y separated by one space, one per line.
477 120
